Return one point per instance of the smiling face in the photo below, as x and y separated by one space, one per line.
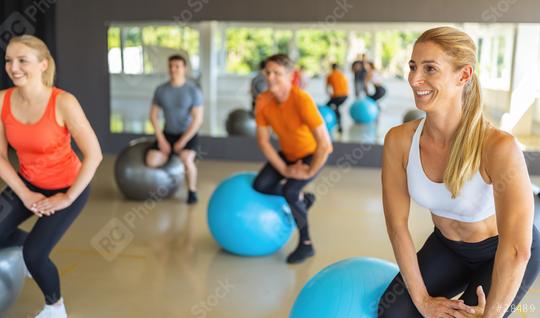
434 79
278 77
23 65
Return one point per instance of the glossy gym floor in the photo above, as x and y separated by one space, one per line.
169 265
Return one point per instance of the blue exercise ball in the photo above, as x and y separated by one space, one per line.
364 111
329 116
350 288
246 222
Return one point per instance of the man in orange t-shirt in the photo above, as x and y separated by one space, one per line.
305 145
339 91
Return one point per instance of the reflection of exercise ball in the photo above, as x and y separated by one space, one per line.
329 117
364 111
366 133
12 272
240 122
413 114
253 287
246 222
140 182
165 224
347 289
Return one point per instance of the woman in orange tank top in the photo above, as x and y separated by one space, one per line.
38 121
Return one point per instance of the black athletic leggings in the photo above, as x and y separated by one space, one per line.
334 103
39 242
269 181
450 268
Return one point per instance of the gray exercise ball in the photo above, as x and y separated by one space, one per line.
413 114
137 181
12 272
240 122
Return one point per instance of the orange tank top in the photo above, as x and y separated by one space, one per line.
43 148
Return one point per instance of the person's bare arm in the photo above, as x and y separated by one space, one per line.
396 205
196 122
76 122
515 212
324 149
263 139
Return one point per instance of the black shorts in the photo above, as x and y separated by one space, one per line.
192 144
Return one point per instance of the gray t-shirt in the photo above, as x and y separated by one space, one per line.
177 102
258 85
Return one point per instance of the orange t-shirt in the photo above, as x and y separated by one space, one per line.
43 148
292 121
339 83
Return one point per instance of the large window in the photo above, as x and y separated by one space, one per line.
495 50
138 64
144 49
395 51
317 49
247 47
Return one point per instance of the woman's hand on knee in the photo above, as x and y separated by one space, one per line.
48 206
474 311
437 307
30 199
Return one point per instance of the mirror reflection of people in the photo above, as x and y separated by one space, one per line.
182 105
358 69
258 85
38 121
299 77
373 82
338 87
304 146
473 179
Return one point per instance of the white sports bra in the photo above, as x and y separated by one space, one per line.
474 203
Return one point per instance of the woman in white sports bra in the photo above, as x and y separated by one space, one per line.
473 179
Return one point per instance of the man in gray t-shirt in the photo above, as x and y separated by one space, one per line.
181 103
258 85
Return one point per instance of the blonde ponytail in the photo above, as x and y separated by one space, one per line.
467 146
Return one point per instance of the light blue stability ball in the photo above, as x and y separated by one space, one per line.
329 116
246 222
364 111
350 288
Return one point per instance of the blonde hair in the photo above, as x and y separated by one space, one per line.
42 53
466 148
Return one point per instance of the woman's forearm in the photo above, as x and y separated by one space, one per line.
508 271
86 173
10 176
407 260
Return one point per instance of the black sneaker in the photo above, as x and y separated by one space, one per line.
192 197
309 199
301 253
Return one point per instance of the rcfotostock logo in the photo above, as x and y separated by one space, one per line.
113 238
16 24
19 23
